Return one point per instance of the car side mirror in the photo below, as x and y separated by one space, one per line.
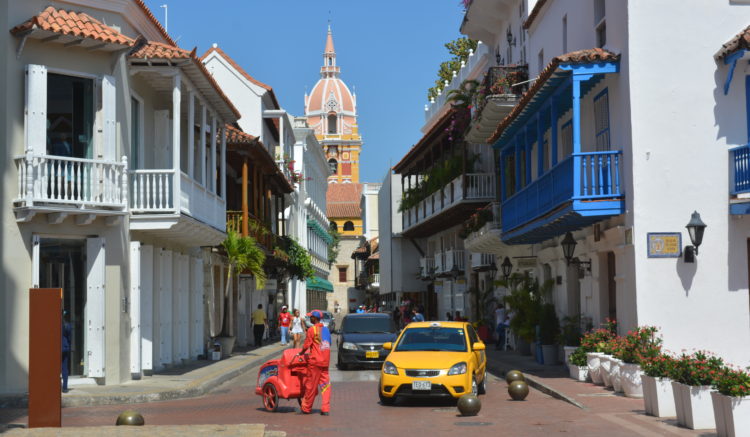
387 346
478 346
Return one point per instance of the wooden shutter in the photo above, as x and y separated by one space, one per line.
95 307
147 306
109 113
36 109
135 307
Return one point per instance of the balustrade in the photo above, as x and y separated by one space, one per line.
152 191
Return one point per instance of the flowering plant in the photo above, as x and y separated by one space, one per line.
697 369
638 345
660 366
732 382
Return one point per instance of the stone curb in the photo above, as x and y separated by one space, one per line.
500 368
191 389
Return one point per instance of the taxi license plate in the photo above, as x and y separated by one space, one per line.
421 385
372 354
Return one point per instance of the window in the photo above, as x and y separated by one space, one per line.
600 23
601 120
348 226
566 138
70 116
333 165
342 274
540 60
332 122
565 34
334 226
135 132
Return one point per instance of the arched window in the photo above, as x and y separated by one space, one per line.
349 226
332 121
333 165
334 226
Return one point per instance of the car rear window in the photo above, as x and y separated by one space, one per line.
370 325
433 339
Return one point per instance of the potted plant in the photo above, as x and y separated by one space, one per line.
577 365
693 376
592 343
638 345
657 386
731 402
549 331
524 301
570 335
618 345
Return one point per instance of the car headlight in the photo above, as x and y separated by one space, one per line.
458 369
390 368
349 346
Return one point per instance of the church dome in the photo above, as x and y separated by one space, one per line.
330 94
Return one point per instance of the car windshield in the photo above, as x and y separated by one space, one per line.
433 339
362 325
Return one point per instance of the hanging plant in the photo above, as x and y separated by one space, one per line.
299 264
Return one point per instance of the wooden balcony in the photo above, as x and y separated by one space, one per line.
256 229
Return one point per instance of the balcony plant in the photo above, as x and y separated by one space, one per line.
299 265
731 402
333 248
693 376
439 176
460 49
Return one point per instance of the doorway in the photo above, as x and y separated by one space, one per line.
611 287
62 264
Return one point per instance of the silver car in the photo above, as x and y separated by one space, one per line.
327 321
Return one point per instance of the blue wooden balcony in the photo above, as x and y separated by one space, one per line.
739 194
580 190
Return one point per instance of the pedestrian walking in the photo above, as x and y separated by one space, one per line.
458 317
297 330
260 322
318 345
67 331
285 321
418 317
449 316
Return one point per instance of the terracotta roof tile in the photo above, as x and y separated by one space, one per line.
242 71
577 57
72 23
741 41
157 50
343 200
237 136
374 256
534 13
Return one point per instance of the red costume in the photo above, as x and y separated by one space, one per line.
285 319
318 346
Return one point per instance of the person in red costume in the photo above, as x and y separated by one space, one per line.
318 346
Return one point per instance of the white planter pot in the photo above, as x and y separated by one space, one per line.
632 384
567 350
696 404
732 415
606 366
579 373
614 374
658 397
593 359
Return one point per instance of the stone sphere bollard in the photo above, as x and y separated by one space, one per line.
469 405
514 375
518 390
130 418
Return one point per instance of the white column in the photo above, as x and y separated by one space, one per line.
147 307
176 98
203 144
177 296
212 173
223 162
135 307
191 135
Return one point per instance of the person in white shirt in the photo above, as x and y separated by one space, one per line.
297 329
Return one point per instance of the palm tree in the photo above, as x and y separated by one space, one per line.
463 96
243 254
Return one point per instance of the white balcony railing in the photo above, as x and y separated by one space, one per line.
440 266
480 260
76 182
455 259
375 280
479 186
153 193
426 266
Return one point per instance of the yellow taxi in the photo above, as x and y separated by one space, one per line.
434 359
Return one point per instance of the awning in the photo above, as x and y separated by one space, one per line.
319 284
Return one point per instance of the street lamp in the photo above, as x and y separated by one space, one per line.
509 37
695 229
493 270
507 267
569 246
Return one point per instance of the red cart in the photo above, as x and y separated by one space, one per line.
283 378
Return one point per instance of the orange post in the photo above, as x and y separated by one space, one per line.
45 357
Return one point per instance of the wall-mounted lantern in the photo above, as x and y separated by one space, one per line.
695 229
569 246
507 267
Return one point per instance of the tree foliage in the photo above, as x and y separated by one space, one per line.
459 50
333 248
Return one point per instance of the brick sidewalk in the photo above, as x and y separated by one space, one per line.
242 430
620 411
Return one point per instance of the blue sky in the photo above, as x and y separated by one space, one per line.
389 52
